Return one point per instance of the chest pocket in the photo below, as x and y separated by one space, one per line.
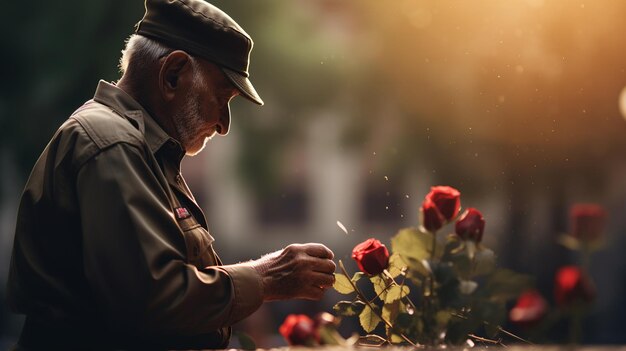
198 242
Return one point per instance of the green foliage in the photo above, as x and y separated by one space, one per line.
369 319
342 284
396 265
412 243
434 291
349 308
458 290
484 262
505 284
396 293
574 244
245 341
380 287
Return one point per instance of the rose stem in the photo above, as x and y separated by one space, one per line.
434 248
513 335
500 329
476 337
360 294
385 289
393 282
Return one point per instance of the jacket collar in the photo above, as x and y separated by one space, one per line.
123 104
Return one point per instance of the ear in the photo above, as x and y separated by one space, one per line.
175 74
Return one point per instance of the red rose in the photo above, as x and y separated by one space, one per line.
299 329
432 218
471 225
371 256
447 200
572 285
588 221
529 309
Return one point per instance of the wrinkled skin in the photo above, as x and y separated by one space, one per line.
299 271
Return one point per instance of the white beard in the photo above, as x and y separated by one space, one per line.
189 123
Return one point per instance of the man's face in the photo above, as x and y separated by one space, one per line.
205 110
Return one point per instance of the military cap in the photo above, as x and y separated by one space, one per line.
204 30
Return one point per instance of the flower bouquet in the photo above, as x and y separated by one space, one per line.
432 289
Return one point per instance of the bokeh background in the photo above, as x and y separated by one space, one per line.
368 104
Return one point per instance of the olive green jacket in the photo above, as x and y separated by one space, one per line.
111 246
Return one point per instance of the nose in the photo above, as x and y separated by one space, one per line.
223 125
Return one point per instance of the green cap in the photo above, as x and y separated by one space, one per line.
203 30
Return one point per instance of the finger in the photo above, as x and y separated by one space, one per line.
323 266
322 280
318 250
313 293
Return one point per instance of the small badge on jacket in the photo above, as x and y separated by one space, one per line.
182 213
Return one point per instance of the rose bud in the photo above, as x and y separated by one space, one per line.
588 221
530 308
447 200
432 219
299 329
572 285
471 225
371 256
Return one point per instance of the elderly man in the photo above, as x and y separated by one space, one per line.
111 249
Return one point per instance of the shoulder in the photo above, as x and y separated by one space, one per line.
104 126
92 129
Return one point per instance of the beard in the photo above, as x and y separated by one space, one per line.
190 126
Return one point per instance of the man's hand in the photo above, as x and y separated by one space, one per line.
299 271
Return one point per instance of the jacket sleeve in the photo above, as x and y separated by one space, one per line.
134 254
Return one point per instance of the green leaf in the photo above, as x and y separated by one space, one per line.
505 284
372 340
484 262
585 246
396 265
390 310
380 286
396 292
412 243
342 284
419 269
446 283
396 339
245 341
357 276
443 317
460 262
595 245
349 308
369 320
453 246
328 336
569 242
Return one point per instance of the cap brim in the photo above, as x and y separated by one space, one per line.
244 85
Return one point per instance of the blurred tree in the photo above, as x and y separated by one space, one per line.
55 54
